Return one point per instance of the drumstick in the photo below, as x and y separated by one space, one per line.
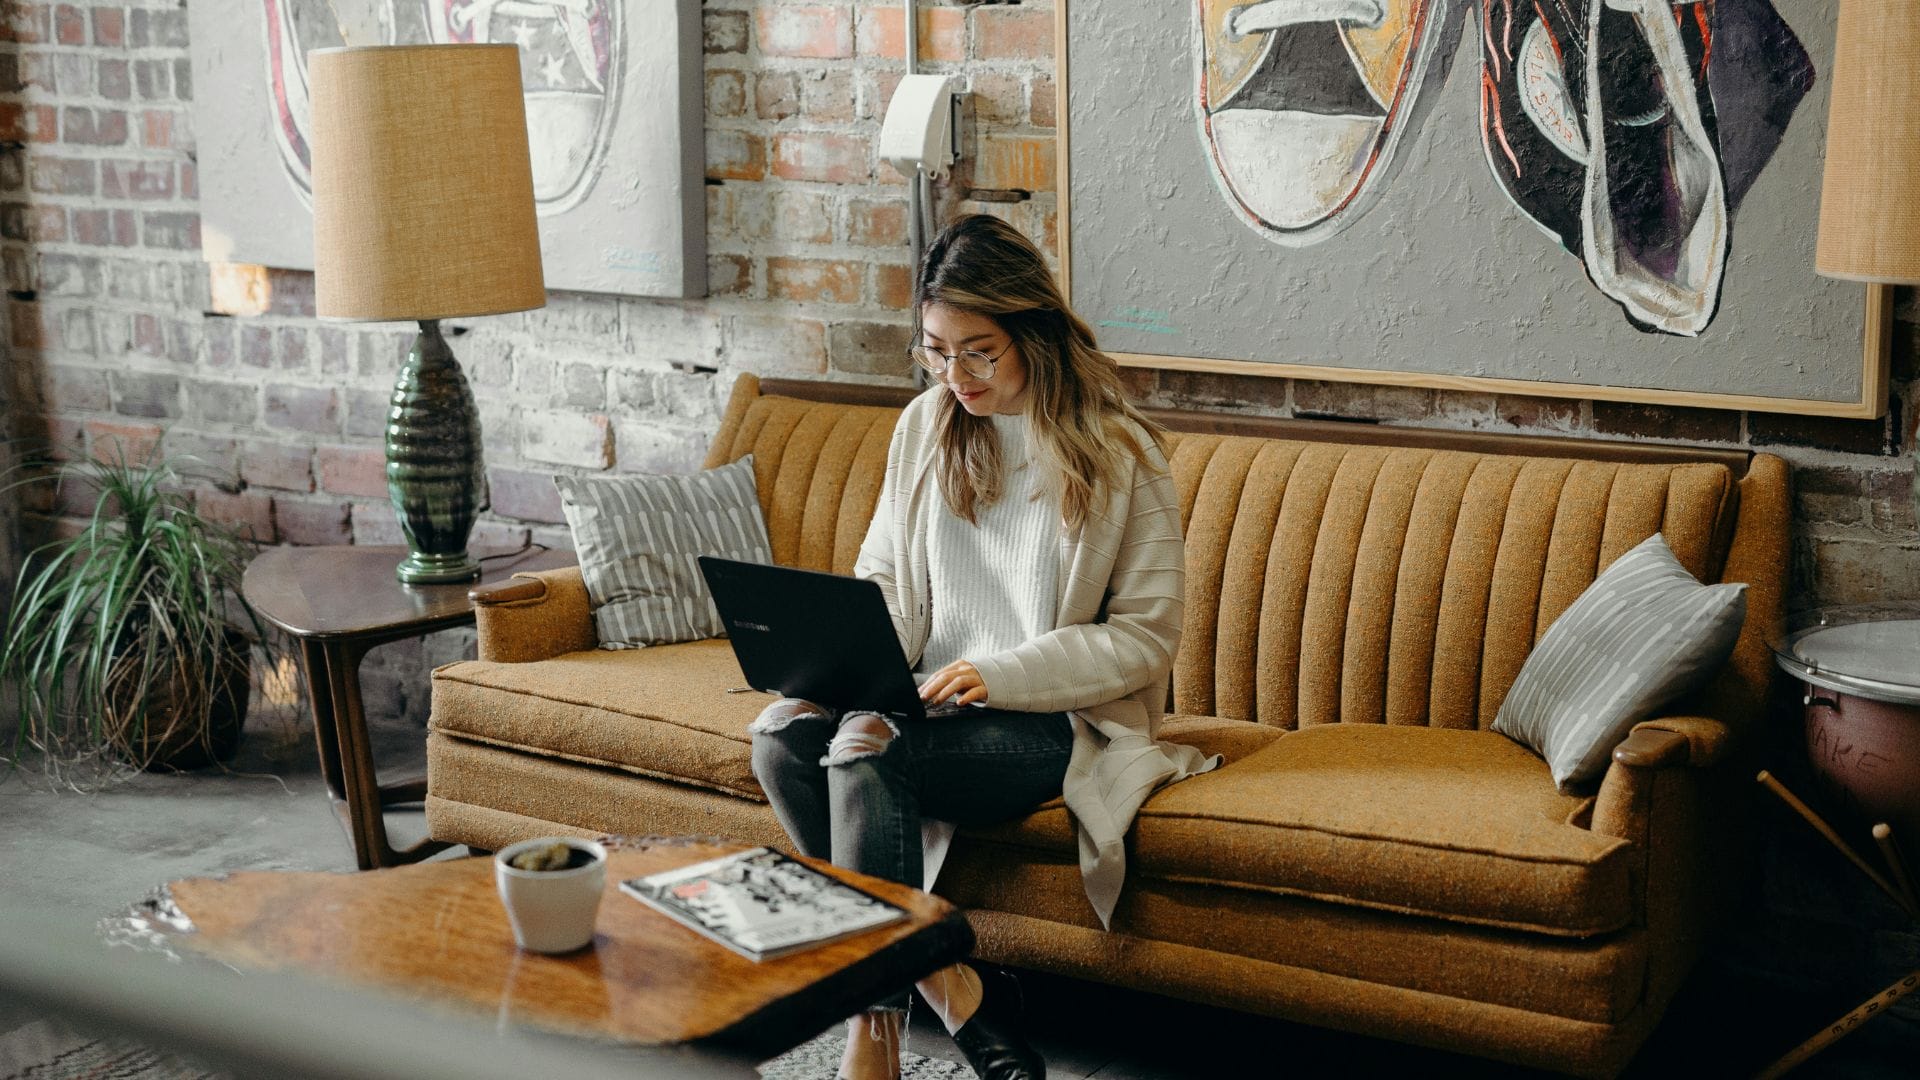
1844 1026
1883 835
1820 825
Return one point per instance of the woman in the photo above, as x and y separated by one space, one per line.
1027 540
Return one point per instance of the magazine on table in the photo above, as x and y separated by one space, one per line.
762 904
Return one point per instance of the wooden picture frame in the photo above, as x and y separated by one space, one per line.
1875 314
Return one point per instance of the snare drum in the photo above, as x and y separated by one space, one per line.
1862 698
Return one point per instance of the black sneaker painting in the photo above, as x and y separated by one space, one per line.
1628 130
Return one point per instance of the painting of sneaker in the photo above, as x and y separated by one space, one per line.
1532 109
1603 120
1303 104
292 28
571 58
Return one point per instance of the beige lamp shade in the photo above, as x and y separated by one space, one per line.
422 183
1870 199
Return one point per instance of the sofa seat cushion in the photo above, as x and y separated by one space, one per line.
1049 829
1594 980
1459 825
662 711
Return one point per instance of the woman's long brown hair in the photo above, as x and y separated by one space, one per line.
983 266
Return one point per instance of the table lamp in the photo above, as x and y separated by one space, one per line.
1870 196
422 211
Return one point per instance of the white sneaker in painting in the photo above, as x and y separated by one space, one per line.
1304 103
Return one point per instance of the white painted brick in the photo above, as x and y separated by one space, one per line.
499 428
682 395
753 213
563 437
532 375
637 391
196 288
497 536
691 396
576 315
556 537
487 359
129 279
773 344
650 447
662 332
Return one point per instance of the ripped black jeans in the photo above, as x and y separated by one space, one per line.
847 793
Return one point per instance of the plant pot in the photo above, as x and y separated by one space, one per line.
174 739
552 911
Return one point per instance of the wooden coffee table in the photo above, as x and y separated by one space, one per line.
435 933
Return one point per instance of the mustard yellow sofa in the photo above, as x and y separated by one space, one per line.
1359 600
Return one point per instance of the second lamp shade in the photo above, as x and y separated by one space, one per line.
422 183
1870 199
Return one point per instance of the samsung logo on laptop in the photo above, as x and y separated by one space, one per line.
742 624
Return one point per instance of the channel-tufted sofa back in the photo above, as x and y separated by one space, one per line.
1331 582
818 466
1370 584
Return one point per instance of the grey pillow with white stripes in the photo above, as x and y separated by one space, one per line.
637 538
1645 632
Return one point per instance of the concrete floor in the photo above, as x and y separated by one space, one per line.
91 855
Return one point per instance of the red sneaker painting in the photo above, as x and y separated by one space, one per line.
292 28
287 81
1628 130
1305 103
571 54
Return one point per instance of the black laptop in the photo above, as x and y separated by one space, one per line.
821 637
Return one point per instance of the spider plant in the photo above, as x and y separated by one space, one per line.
119 642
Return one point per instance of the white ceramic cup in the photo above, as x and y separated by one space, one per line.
552 911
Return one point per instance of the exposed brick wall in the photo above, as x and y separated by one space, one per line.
110 334
111 337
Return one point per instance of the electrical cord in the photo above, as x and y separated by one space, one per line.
530 545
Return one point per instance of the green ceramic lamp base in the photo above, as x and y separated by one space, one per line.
435 476
420 568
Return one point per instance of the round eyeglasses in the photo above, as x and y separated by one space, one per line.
976 364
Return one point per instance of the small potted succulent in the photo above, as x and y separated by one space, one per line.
121 640
551 887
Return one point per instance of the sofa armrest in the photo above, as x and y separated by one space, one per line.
1654 746
508 591
533 615
1651 748
1675 740
1665 797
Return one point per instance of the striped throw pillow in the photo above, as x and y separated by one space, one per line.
637 538
1645 632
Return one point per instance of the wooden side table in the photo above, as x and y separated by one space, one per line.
339 603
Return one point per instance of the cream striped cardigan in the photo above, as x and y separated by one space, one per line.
1107 660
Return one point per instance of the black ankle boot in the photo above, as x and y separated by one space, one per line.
991 1039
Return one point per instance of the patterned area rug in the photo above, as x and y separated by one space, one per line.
46 1051
818 1059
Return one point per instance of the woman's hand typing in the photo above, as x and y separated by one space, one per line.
958 678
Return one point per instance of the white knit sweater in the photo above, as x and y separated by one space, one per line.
1108 657
995 580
